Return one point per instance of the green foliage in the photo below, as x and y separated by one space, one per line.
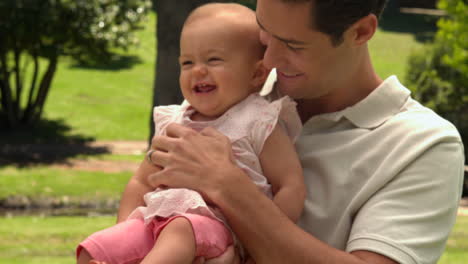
438 74
453 32
38 32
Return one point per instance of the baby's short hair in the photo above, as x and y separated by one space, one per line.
241 16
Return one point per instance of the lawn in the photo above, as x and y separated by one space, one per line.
52 240
42 181
457 244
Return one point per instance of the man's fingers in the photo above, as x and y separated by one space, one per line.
160 158
211 132
163 143
229 256
178 131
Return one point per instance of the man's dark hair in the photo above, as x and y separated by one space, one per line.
334 17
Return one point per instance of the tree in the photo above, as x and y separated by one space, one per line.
171 16
438 74
36 33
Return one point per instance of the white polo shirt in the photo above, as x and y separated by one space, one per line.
384 175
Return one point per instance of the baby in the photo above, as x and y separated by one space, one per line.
221 75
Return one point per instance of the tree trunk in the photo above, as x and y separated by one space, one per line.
38 105
170 18
5 92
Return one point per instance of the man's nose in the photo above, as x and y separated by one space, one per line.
273 52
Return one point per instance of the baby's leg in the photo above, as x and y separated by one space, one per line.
84 257
127 242
175 244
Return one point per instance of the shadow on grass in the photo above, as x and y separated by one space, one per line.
114 63
47 142
422 26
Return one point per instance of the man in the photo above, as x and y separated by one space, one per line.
384 174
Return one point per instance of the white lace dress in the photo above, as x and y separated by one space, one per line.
247 124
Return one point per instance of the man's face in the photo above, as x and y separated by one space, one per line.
307 63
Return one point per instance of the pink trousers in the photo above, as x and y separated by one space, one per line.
130 241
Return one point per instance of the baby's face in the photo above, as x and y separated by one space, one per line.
216 66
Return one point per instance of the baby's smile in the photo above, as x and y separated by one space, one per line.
204 88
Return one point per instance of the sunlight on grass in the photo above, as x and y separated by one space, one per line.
48 182
112 157
45 239
107 103
390 51
456 251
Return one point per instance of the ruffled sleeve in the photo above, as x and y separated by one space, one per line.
283 112
164 115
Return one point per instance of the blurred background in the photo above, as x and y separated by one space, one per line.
78 80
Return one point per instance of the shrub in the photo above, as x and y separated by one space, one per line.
438 74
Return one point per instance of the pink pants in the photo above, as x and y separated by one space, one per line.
130 241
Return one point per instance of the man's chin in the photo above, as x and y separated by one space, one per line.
288 90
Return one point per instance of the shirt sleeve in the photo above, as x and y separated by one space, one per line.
410 218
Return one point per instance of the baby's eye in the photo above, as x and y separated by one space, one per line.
187 62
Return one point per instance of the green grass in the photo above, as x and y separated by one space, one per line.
53 239
390 51
43 181
113 157
107 102
456 251
29 240
397 37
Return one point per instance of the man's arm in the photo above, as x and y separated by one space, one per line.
266 232
137 186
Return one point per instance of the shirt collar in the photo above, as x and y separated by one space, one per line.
380 105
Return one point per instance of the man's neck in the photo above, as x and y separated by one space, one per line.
342 96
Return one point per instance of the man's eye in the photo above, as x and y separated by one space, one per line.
294 48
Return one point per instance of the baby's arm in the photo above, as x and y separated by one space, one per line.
283 170
137 186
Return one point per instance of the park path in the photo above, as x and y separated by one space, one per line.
115 147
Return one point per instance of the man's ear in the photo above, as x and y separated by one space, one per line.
260 75
363 30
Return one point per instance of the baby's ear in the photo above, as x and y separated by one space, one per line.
260 75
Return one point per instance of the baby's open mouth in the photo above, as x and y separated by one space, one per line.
204 88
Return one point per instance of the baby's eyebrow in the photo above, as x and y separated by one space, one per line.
285 40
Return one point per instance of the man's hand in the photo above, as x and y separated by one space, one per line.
228 257
197 161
